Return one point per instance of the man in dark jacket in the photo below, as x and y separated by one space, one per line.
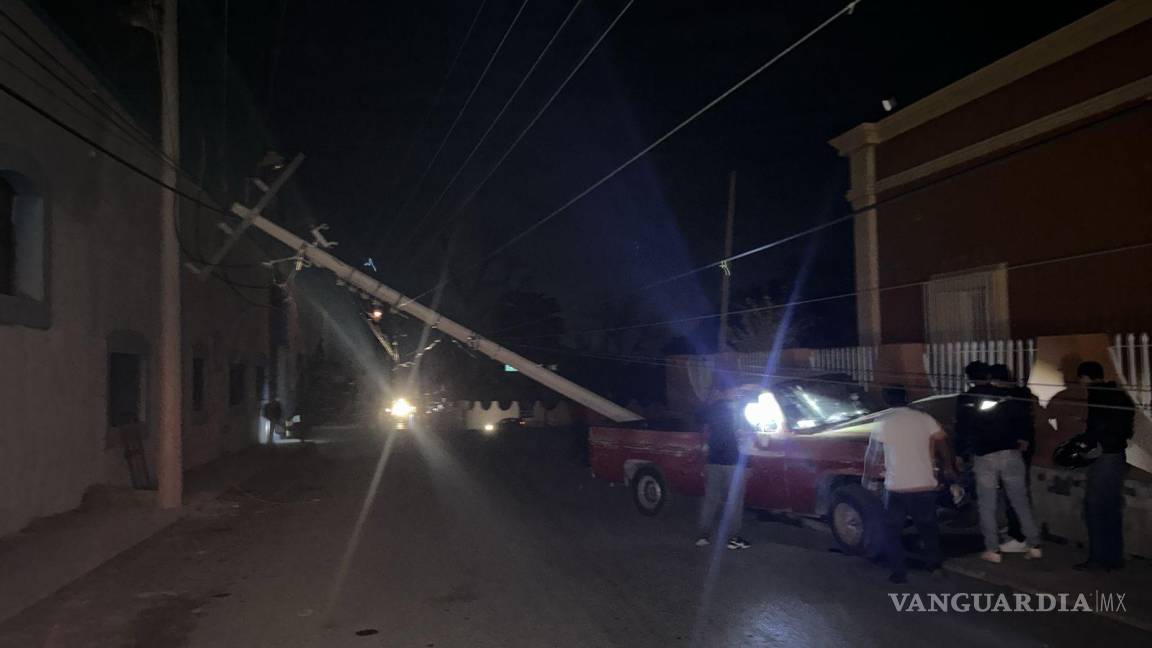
993 426
1111 414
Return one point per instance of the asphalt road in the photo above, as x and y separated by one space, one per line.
479 541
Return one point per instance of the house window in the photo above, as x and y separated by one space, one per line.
967 306
125 389
22 285
198 384
236 391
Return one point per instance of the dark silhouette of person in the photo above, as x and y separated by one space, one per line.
993 428
1109 425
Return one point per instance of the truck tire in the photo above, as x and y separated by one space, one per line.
650 491
856 518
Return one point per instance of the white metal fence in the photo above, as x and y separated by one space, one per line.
858 362
945 362
1130 354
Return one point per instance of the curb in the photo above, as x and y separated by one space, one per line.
988 577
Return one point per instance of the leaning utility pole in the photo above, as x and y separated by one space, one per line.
169 462
726 278
316 254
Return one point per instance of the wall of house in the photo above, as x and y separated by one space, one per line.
1085 191
1114 62
1084 187
102 264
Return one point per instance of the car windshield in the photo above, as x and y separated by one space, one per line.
811 406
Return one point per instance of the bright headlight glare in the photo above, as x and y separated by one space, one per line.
765 414
401 408
488 427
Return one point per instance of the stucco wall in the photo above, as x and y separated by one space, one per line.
102 250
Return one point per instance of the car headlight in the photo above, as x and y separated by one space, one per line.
401 408
765 414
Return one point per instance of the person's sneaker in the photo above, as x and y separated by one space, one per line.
1013 546
1034 553
897 578
703 541
738 543
992 557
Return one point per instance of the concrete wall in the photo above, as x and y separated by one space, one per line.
1058 499
102 282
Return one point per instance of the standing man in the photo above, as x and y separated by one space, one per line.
1111 414
724 472
1023 405
996 432
908 441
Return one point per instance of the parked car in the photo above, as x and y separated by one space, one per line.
809 466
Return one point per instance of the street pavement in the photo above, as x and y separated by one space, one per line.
480 540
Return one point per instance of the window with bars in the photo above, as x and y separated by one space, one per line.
965 306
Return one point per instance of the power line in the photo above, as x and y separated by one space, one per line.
889 198
818 378
849 8
131 134
459 210
495 120
815 300
425 120
20 98
120 120
463 108
31 105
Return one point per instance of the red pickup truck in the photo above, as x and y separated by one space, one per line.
808 465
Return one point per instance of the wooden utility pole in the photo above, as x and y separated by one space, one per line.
726 278
169 461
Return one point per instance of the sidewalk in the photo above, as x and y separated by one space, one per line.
1054 575
52 552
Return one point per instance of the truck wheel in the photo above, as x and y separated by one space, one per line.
856 518
649 491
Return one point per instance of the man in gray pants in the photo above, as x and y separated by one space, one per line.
724 473
995 430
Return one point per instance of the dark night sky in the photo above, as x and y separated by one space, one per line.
351 81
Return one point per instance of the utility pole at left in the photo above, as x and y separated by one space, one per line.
169 462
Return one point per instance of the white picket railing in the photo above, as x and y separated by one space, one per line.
858 362
945 362
1130 355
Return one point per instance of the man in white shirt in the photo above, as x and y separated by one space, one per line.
909 441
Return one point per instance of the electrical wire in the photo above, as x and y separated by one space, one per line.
200 203
129 136
822 377
459 114
492 124
424 122
117 118
849 8
520 136
855 293
887 199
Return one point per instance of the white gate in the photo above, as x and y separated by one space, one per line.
945 362
1130 355
858 362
